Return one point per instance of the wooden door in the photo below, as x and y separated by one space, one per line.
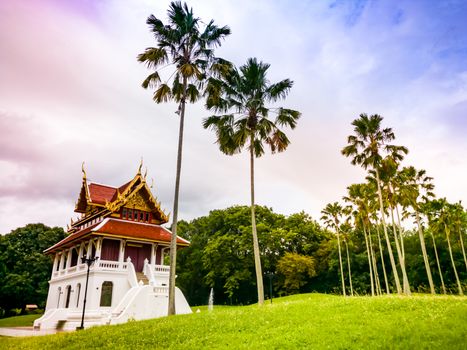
137 253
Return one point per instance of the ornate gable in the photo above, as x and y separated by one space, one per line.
84 198
138 196
96 199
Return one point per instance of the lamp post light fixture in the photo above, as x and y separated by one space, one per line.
88 262
271 276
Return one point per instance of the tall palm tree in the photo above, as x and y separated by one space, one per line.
387 171
415 185
365 148
426 207
460 222
357 197
346 228
190 49
444 221
332 214
241 96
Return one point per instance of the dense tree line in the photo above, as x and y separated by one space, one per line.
24 269
220 255
302 254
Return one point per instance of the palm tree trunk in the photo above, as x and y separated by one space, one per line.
375 266
388 242
401 236
437 263
425 255
340 261
459 286
382 261
462 246
173 238
369 261
348 265
259 273
405 280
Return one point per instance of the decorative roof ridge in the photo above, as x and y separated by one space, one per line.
100 224
135 222
103 185
72 236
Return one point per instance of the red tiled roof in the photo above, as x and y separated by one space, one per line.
73 237
101 193
122 188
121 228
137 230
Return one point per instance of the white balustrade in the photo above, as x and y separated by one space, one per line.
161 269
99 265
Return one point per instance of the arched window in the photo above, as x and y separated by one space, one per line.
68 294
106 293
78 290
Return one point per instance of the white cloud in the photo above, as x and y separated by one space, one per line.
70 92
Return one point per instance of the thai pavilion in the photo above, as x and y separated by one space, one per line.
129 280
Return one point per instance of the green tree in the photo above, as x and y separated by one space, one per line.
242 96
24 269
183 44
366 148
295 269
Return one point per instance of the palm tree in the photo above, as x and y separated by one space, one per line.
346 228
444 220
460 222
412 183
183 44
331 217
356 196
388 170
426 207
365 148
242 95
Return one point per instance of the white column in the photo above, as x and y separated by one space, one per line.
68 258
99 247
80 253
121 252
62 260
56 260
153 254
88 251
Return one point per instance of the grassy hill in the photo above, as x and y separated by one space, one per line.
308 321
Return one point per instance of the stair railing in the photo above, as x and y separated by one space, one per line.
147 270
131 273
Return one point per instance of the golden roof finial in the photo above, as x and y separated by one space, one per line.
152 183
140 166
145 173
84 172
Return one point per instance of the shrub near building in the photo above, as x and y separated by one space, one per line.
24 269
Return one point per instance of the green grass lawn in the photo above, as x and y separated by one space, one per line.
308 321
19 321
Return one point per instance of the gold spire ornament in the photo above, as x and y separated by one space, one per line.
84 172
140 166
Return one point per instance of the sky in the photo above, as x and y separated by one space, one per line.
70 92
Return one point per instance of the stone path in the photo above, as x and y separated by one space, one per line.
23 332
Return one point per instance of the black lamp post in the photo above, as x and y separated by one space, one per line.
271 276
89 262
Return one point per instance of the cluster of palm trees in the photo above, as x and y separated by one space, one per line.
390 197
240 96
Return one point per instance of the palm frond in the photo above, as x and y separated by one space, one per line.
162 94
287 117
151 81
